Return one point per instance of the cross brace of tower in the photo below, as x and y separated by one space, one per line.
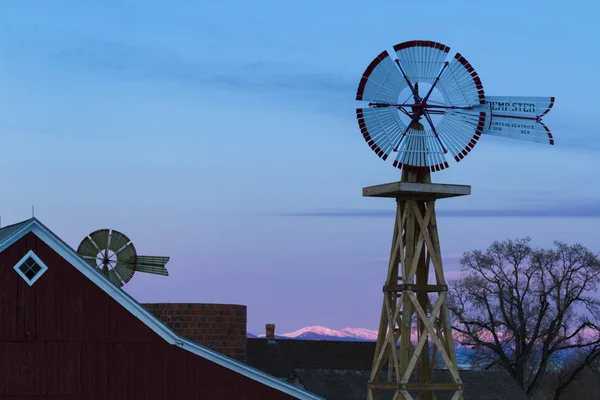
415 323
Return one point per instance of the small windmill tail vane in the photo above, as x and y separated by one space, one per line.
116 257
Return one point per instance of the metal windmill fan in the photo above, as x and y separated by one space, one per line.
392 121
115 256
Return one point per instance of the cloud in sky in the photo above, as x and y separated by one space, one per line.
313 87
138 62
582 210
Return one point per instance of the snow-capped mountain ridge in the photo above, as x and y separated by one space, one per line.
318 332
363 333
323 333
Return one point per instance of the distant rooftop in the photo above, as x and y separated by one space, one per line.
341 370
347 384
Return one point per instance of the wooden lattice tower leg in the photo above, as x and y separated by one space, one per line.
414 326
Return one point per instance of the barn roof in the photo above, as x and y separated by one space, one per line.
8 230
10 234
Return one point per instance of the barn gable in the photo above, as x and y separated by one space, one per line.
31 240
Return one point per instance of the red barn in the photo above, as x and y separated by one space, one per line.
66 332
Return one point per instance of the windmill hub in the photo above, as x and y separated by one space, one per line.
107 258
421 106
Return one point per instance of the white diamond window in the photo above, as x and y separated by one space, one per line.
31 268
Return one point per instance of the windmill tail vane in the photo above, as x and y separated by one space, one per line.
464 113
116 257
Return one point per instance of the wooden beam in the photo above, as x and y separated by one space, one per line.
392 316
416 385
415 288
416 190
451 367
422 340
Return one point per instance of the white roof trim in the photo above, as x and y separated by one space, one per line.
135 308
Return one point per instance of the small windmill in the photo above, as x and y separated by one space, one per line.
420 131
115 256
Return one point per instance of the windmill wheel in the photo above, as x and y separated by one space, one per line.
447 116
392 124
112 253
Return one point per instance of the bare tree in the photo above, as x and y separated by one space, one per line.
522 308
574 366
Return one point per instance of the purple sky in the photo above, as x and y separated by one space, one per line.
224 136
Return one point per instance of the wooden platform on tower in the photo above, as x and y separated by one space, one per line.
415 324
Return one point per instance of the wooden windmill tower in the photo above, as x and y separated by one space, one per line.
415 324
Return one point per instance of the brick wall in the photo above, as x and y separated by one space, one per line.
221 327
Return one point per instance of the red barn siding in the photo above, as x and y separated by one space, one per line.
65 338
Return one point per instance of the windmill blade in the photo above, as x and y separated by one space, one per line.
460 131
420 151
124 271
114 278
381 81
152 265
118 240
91 260
421 60
100 237
381 128
461 85
88 248
126 253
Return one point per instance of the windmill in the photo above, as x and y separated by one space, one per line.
421 109
115 256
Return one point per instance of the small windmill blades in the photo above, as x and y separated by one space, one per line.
115 256
448 114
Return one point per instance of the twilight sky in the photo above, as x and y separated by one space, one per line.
223 134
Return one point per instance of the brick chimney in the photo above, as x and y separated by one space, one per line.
221 327
270 331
